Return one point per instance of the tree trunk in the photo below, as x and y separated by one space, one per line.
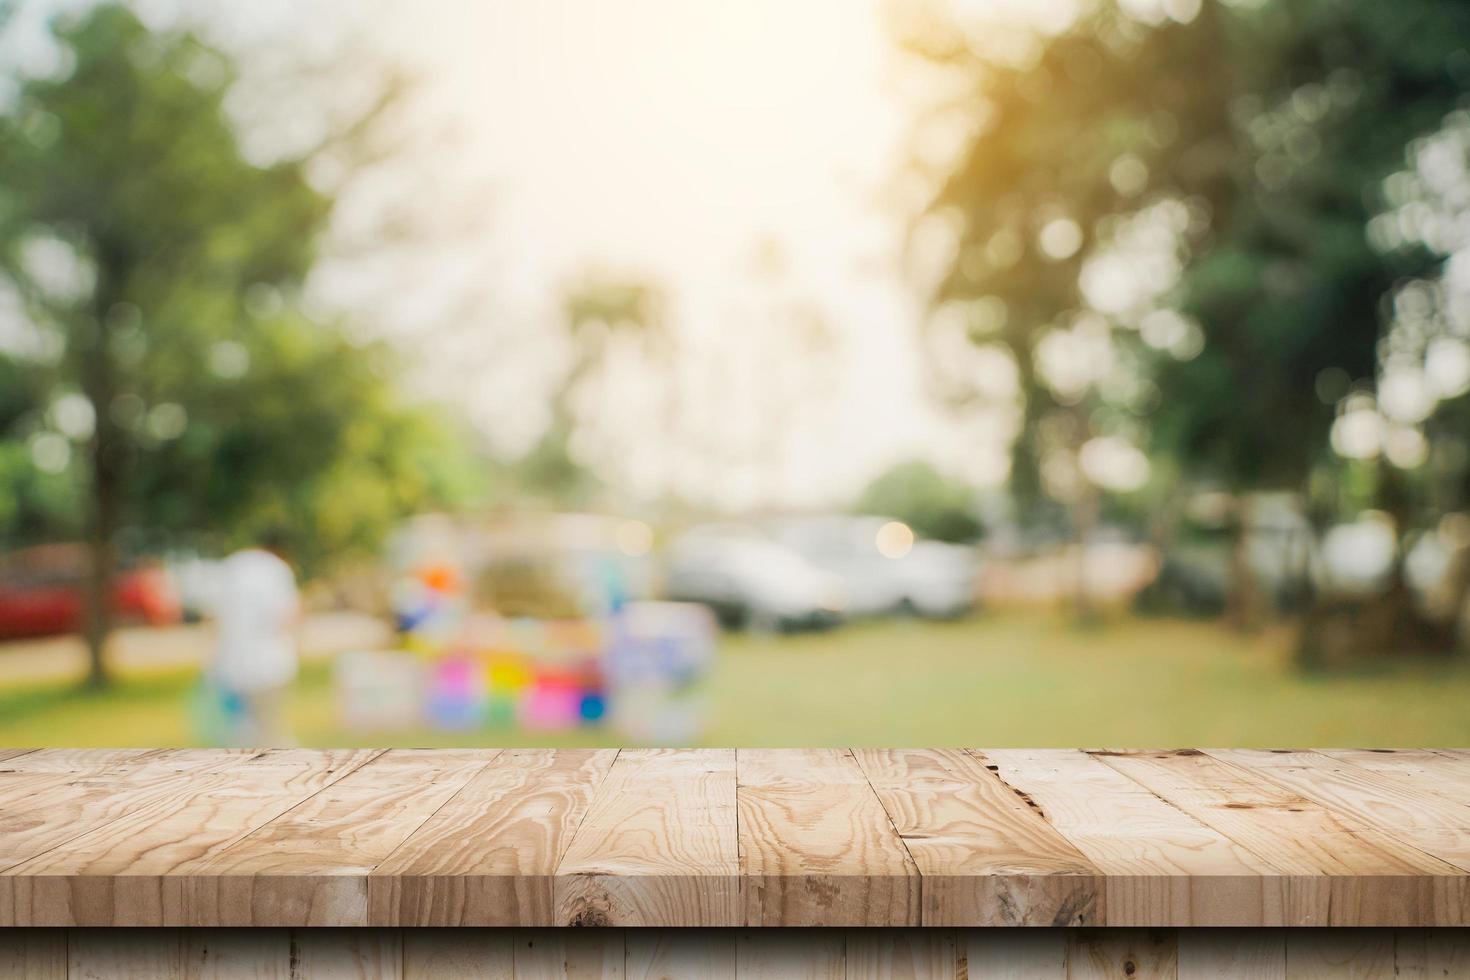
1084 519
108 445
101 570
1241 599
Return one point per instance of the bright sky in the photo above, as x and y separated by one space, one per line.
672 140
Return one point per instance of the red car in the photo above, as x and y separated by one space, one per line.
41 592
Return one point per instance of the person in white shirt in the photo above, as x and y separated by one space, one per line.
255 657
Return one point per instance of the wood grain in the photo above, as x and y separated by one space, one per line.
658 845
488 857
1337 870
1163 866
123 871
986 857
1422 954
1133 954
904 954
309 866
1428 821
1417 770
1232 954
458 954
569 954
817 847
791 954
56 795
234 954
1348 954
34 761
672 954
1015 954
347 954
929 952
124 954
723 837
32 954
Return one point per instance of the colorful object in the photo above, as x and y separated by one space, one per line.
638 666
658 655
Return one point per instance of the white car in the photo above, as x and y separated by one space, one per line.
882 566
753 582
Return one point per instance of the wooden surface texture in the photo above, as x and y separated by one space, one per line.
933 953
735 838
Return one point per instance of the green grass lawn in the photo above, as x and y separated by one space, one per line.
1006 679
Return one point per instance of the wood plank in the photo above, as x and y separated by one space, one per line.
791 954
1339 954
1417 770
458 954
309 866
56 796
1422 954
33 954
347 954
986 857
1134 954
904 954
488 857
74 760
40 770
1164 868
672 954
658 845
1431 823
712 837
123 872
124 954
12 753
573 954
233 954
816 846
1340 871
1232 954
1015 954
31 761
999 954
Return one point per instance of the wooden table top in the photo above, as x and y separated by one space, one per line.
727 837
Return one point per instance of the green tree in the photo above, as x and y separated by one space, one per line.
1274 126
159 270
924 499
1287 287
1109 115
1107 122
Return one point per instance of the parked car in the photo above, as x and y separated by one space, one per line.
41 592
749 581
883 567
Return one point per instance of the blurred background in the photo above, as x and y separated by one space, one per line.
650 371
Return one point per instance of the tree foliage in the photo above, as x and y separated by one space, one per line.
1326 97
159 272
925 499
